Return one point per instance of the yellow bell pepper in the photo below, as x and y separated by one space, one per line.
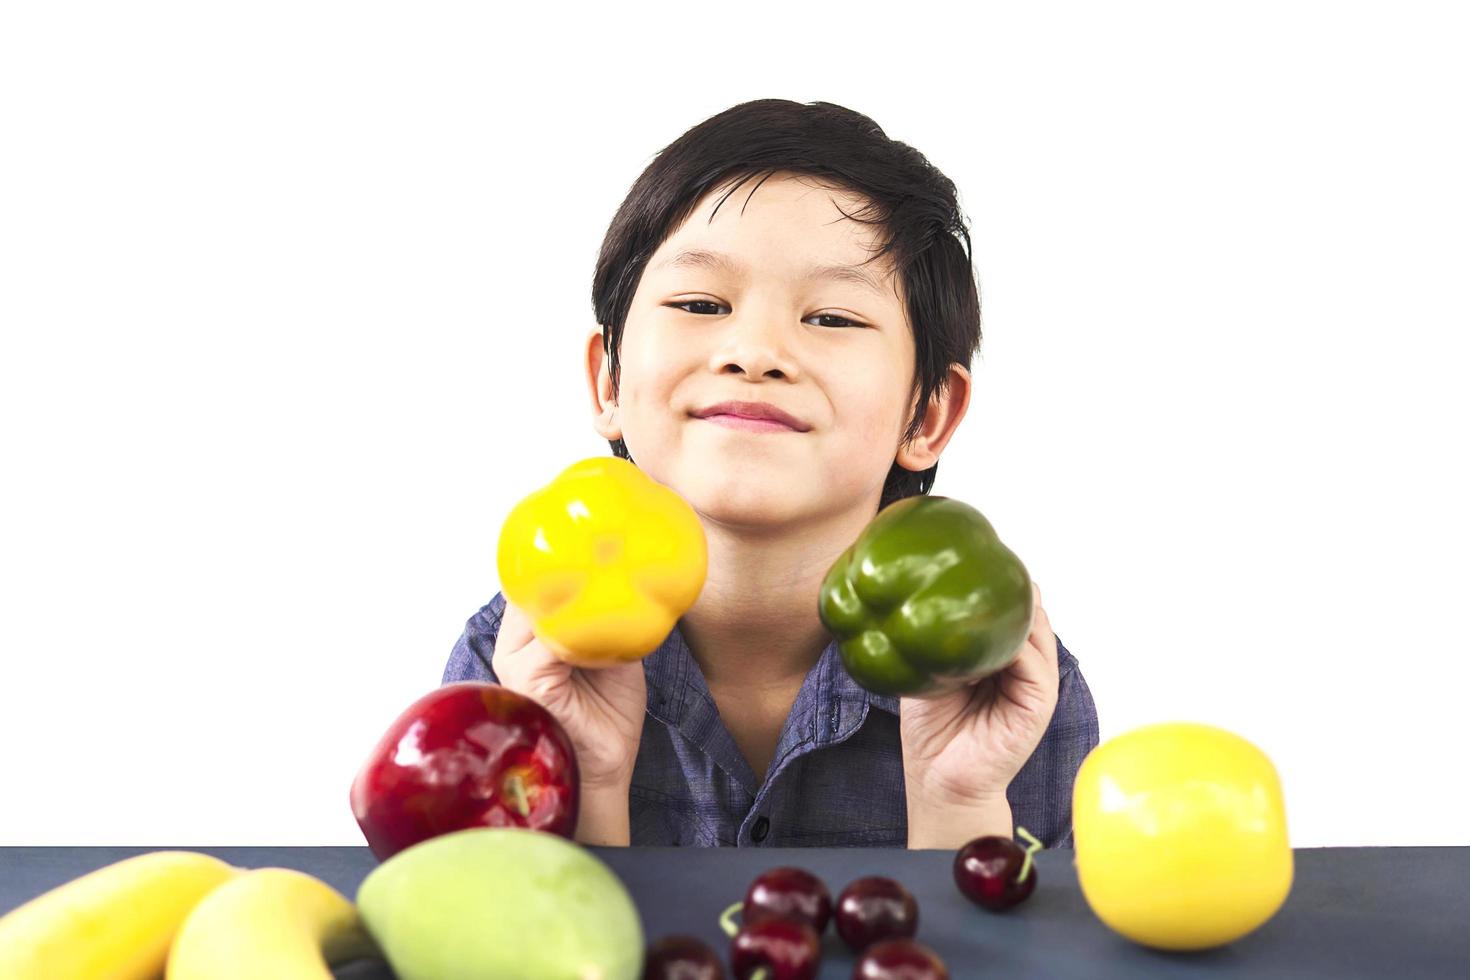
604 560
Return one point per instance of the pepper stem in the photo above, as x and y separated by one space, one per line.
1036 845
727 920
518 795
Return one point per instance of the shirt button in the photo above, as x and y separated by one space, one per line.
760 830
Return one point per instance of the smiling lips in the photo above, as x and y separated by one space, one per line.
752 417
751 425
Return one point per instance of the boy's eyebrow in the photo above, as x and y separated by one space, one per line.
701 258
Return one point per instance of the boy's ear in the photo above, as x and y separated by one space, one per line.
946 408
599 383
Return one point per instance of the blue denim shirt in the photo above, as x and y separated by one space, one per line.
836 779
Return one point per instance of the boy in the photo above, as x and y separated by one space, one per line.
789 368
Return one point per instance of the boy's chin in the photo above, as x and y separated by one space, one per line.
736 504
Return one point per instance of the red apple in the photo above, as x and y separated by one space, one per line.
468 754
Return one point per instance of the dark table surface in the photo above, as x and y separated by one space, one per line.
1397 912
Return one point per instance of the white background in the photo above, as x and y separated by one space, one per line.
293 296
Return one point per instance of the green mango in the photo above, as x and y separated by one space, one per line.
507 902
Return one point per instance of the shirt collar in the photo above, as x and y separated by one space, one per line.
669 673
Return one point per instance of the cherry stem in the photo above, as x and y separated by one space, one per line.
727 920
518 795
1036 845
729 928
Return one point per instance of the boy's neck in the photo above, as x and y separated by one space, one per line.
755 625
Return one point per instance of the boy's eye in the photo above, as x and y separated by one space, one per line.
704 302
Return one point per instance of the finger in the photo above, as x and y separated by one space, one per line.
1036 664
514 634
1029 681
1030 664
526 666
1041 633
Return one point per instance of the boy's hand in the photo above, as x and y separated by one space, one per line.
962 750
602 710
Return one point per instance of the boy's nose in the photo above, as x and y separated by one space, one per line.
756 346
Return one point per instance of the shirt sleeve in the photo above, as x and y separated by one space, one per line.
470 659
1041 793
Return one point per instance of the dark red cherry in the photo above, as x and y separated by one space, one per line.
682 958
788 949
872 909
789 893
994 873
899 959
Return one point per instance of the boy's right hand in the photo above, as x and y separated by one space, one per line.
601 710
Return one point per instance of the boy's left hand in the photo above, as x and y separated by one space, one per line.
964 748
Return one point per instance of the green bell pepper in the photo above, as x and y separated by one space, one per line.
927 599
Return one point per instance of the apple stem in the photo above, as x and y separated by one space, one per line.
518 795
1036 845
727 920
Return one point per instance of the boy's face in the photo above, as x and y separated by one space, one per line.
834 353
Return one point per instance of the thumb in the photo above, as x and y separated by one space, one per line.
515 631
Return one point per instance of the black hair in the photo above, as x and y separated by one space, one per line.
910 200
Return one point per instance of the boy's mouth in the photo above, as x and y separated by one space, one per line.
752 416
749 425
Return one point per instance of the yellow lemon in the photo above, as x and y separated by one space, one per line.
1180 836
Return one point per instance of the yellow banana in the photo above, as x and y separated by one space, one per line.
274 923
115 923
